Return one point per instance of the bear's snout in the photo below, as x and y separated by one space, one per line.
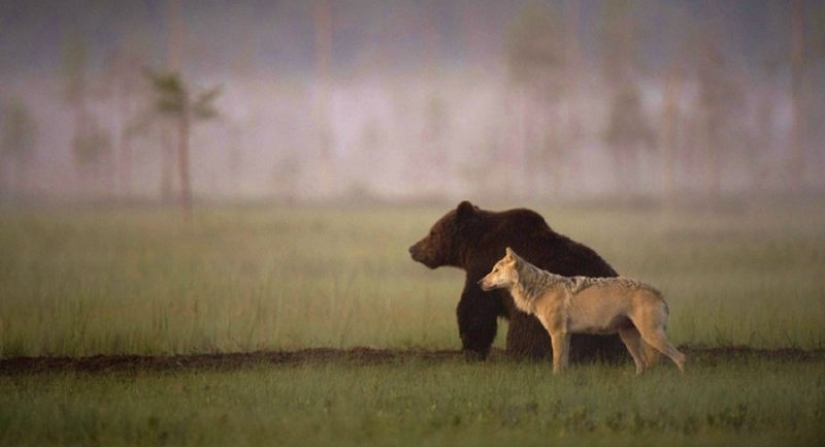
419 253
416 253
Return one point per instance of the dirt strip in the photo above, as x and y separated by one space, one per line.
357 356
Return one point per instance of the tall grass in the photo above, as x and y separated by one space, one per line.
140 282
132 282
744 276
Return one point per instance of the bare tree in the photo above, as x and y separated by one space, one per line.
628 129
125 84
670 125
91 143
571 119
672 122
175 37
91 148
75 91
798 59
535 55
620 44
719 98
816 83
323 26
19 135
175 100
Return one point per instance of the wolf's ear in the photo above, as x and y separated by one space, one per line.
511 255
465 210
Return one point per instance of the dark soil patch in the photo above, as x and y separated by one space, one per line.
357 356
217 361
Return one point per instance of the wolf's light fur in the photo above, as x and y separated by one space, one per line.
567 305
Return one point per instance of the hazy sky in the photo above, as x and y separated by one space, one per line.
278 35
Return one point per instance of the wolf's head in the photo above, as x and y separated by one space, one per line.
505 273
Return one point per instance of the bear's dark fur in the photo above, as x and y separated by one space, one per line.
473 240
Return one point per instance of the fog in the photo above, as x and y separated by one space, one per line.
411 100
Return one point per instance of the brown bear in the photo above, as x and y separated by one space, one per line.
473 240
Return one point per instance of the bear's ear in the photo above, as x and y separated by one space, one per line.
465 209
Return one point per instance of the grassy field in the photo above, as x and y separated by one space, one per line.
89 282
742 402
239 279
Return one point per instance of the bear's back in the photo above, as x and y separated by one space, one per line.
526 232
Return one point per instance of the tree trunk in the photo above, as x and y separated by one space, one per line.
123 150
521 184
670 116
713 146
183 163
125 166
322 18
797 162
166 163
81 129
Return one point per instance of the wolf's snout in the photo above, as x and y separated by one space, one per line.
483 285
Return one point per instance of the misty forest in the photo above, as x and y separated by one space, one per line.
295 101
207 208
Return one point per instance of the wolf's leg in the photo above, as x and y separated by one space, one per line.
565 353
651 322
651 354
633 340
561 343
656 337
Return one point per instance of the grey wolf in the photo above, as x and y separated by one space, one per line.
567 305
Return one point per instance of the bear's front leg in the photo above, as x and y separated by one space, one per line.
477 314
526 337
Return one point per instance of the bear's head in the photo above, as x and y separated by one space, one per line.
441 247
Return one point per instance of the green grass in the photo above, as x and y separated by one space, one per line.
747 276
132 282
138 281
741 402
